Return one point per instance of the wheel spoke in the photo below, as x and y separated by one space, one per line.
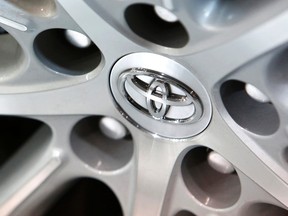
226 58
118 44
85 100
155 162
230 146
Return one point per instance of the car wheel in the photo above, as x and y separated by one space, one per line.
144 107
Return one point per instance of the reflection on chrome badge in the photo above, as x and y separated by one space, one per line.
160 96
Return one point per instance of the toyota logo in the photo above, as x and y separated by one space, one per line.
160 97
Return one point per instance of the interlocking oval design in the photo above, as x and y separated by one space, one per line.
160 96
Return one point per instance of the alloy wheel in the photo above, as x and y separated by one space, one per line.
153 107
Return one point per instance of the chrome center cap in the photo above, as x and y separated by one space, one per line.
160 95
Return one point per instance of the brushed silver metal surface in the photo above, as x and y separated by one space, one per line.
163 108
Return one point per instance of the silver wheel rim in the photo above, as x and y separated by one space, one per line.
54 93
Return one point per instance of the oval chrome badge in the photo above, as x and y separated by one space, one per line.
160 95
